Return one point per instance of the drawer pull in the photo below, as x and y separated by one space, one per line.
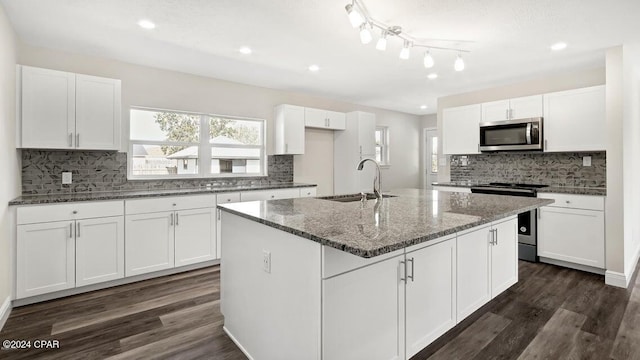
75 212
568 202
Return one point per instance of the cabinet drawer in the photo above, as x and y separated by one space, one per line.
452 188
228 197
269 194
68 211
336 261
151 205
575 201
308 192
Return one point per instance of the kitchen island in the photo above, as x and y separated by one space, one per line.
323 279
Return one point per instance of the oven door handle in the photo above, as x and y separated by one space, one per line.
528 134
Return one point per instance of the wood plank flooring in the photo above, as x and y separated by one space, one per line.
551 313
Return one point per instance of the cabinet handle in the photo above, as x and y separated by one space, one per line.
568 202
273 196
506 114
218 213
539 211
510 113
496 237
171 221
545 145
78 229
78 140
70 230
177 218
360 149
403 263
70 139
286 148
411 277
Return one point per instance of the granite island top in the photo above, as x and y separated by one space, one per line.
573 190
131 194
371 228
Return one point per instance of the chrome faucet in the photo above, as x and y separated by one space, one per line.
376 191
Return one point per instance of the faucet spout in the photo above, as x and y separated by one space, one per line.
377 180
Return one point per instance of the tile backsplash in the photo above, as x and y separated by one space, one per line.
555 169
107 171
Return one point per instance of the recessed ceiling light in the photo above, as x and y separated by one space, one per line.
558 46
245 50
423 107
432 76
314 68
146 24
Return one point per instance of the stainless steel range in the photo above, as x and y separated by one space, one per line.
527 222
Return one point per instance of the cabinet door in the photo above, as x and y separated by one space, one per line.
289 130
473 271
461 130
526 107
574 120
48 108
150 242
336 120
495 110
46 258
195 236
571 235
367 135
504 257
430 295
351 330
97 113
99 250
315 118
223 199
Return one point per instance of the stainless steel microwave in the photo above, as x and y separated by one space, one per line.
511 135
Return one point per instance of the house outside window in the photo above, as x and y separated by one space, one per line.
382 145
171 144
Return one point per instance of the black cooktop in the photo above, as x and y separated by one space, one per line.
516 185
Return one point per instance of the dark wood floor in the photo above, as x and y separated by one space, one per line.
552 313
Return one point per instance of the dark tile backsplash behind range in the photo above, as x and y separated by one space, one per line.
555 169
107 171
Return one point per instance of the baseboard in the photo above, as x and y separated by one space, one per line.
615 278
5 310
244 351
571 265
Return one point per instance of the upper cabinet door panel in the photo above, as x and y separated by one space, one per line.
97 113
315 118
336 120
367 134
495 111
526 107
289 130
48 108
461 129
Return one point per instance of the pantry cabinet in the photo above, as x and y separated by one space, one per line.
62 110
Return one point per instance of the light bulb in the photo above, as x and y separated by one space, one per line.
459 64
404 53
559 46
382 42
365 34
355 17
428 60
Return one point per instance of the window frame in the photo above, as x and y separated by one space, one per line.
384 146
204 148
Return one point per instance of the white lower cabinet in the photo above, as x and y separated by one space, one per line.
504 256
430 294
352 330
150 242
46 258
99 250
195 236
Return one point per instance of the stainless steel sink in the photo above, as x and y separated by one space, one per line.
352 197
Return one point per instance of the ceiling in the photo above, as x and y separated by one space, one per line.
510 41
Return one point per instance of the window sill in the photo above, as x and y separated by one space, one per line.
212 177
385 166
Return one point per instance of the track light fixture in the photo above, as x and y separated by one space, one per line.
359 18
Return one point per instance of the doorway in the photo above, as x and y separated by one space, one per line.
430 157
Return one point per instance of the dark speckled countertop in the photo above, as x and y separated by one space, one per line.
573 190
373 229
119 195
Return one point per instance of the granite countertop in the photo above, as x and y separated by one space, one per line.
370 229
130 194
574 190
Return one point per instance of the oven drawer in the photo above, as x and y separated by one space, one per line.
587 202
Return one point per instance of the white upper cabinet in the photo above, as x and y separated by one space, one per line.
367 134
61 110
460 129
97 113
289 130
574 120
518 108
324 119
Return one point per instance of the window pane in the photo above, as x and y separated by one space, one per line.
160 160
232 131
434 163
235 161
378 137
379 154
434 145
164 126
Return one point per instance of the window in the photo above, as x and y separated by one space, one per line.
170 144
382 145
434 154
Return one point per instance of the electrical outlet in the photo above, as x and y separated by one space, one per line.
266 261
66 178
586 161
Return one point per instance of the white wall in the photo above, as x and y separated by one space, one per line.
150 87
9 159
